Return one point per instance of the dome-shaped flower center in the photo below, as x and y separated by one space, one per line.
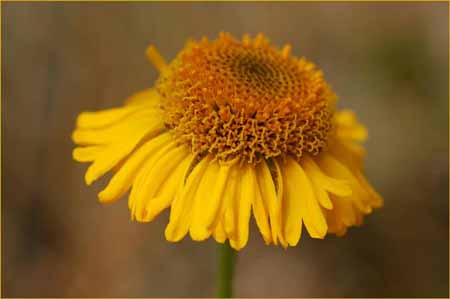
246 99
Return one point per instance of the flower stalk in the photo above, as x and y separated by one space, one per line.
227 257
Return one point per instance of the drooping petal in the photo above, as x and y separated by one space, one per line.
243 205
338 187
376 199
209 207
155 178
229 211
181 209
358 133
344 210
88 153
312 215
270 199
166 193
123 179
292 208
348 127
321 195
219 233
350 153
202 207
336 169
261 214
275 170
142 174
335 223
317 178
117 151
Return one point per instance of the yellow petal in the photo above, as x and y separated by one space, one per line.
142 174
165 195
335 223
122 180
243 205
313 217
181 209
345 117
219 233
347 126
99 119
202 207
350 153
112 155
103 118
338 187
210 202
149 97
260 212
87 154
344 211
356 132
292 208
156 59
229 212
276 169
322 196
155 178
376 199
270 199
336 169
146 119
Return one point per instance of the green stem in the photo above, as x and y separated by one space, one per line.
225 273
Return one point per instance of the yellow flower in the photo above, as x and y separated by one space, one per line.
232 128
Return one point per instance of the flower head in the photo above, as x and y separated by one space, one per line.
232 128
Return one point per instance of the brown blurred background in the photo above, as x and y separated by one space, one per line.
387 61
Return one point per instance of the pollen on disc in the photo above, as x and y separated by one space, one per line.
246 99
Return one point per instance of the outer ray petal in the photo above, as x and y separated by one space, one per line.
155 178
336 169
88 153
166 193
348 152
201 214
209 207
338 187
116 152
229 212
243 205
280 187
142 174
348 127
312 214
376 199
181 209
148 97
261 214
345 211
122 180
219 233
147 119
321 196
270 199
103 118
292 207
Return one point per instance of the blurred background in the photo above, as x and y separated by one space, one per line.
387 61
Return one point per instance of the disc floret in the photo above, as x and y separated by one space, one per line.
246 99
